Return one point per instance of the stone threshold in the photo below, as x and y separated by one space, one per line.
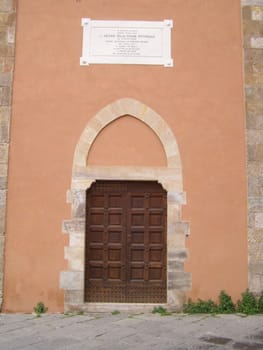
110 307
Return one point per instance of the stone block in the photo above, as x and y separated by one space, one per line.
251 220
177 254
255 137
2 198
256 268
175 300
4 152
251 152
7 18
76 265
3 35
2 219
255 203
255 244
246 13
2 241
6 64
3 182
253 60
5 96
251 2
253 91
175 266
6 79
255 168
256 42
4 124
7 50
77 240
180 281
3 170
11 32
6 5
73 226
259 222
182 227
255 121
257 13
246 40
253 186
72 253
255 283
250 121
259 153
75 257
176 197
73 296
252 30
259 120
255 77
78 203
72 280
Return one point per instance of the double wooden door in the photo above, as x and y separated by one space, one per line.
125 259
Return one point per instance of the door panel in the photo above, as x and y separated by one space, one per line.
125 242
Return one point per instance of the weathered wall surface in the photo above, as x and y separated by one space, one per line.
7 49
253 64
201 99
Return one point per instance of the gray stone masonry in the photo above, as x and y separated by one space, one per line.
253 67
7 48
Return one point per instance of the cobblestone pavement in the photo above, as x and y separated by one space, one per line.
134 331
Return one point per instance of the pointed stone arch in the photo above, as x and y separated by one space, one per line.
138 110
83 175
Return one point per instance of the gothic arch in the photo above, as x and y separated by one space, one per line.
136 109
83 175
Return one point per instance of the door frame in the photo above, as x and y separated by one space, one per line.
83 175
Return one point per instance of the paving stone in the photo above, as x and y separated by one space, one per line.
123 331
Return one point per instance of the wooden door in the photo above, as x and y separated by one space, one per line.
126 242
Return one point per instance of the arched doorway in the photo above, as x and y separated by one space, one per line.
83 175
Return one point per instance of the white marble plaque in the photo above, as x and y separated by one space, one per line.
127 42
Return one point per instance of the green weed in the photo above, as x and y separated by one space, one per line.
115 312
226 305
247 304
40 309
161 311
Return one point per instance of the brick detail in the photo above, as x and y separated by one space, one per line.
7 49
253 66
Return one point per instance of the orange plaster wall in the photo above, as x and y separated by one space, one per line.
201 98
127 141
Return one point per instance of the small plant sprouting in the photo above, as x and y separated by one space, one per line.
200 307
226 305
247 304
115 312
40 309
161 311
260 303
